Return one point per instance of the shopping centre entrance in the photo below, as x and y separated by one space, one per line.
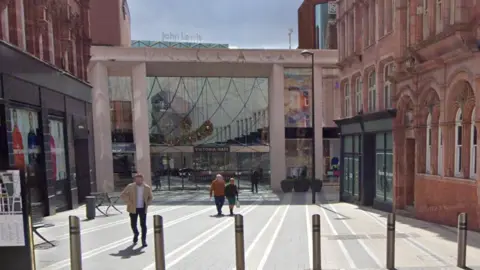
194 167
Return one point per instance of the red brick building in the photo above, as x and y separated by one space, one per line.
313 26
44 96
417 85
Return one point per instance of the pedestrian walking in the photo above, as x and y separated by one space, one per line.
254 179
217 189
231 192
138 196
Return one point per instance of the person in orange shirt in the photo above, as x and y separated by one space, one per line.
217 189
17 139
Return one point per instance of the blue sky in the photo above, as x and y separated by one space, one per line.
241 23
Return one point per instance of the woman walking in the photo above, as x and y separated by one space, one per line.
231 192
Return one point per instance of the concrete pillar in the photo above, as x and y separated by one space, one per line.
140 121
276 126
319 123
98 77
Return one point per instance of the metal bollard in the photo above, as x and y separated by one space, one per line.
75 243
90 207
239 243
391 241
159 242
316 242
462 241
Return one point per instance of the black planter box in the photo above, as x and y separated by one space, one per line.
301 186
287 185
317 185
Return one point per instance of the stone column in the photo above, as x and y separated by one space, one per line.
319 121
140 121
276 126
98 77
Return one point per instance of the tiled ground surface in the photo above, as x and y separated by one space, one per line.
277 233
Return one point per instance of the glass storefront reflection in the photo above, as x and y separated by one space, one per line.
193 122
26 139
298 154
297 92
59 164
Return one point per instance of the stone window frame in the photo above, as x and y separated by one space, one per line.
346 95
358 94
473 147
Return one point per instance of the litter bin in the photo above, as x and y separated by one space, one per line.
90 207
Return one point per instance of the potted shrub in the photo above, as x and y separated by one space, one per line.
301 185
316 185
287 185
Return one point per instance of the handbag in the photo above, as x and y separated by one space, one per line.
238 204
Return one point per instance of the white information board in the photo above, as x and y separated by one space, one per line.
11 210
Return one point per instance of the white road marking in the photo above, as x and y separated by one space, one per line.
340 243
360 241
115 223
65 263
309 235
212 233
272 240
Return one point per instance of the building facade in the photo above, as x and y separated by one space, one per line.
210 111
45 102
317 25
111 21
409 96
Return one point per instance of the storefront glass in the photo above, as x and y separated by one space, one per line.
59 163
195 121
297 94
384 167
352 165
123 147
26 139
298 156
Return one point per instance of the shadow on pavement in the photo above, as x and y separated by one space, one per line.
442 231
128 252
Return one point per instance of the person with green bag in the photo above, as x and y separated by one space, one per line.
231 192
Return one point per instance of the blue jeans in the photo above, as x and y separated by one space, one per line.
219 201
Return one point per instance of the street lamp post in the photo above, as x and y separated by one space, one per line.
307 53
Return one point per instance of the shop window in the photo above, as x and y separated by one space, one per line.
458 143
429 144
59 164
358 95
372 92
384 167
473 149
26 146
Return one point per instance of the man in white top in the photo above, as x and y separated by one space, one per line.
138 196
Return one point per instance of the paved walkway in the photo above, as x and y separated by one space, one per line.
277 236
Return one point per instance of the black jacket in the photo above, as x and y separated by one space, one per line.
231 191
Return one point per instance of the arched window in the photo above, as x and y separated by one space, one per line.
372 92
347 100
429 144
458 143
440 151
473 151
358 95
387 86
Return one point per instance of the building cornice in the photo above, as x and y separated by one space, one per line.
326 58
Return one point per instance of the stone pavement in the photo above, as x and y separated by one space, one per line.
277 236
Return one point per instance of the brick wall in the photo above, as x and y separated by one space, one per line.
54 31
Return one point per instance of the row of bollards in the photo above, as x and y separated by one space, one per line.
76 248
